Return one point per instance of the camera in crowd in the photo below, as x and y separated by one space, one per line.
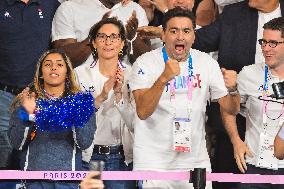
278 89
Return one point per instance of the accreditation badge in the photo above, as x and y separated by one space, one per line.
182 135
265 157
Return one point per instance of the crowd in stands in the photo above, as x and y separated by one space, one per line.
143 85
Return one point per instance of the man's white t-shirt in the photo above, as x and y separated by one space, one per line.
250 86
125 12
153 144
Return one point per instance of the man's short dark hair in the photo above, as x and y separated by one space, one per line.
276 24
178 12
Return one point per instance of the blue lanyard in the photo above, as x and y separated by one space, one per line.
265 84
165 56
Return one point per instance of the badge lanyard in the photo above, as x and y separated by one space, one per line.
265 102
266 158
182 140
264 94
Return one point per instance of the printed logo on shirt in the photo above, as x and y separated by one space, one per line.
88 89
263 92
141 72
40 13
91 89
180 82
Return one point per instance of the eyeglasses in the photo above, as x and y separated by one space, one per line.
271 43
102 37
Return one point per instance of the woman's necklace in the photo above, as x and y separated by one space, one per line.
50 96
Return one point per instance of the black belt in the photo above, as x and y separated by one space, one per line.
10 89
102 149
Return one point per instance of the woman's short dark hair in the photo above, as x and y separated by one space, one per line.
94 31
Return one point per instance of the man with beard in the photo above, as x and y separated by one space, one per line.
234 34
172 84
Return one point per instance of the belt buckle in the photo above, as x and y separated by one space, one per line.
107 153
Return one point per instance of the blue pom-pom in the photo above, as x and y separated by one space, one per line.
65 113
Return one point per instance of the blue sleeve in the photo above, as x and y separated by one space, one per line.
84 136
19 130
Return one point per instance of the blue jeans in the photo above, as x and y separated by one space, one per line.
5 146
115 162
256 170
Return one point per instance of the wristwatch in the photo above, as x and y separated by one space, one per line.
233 91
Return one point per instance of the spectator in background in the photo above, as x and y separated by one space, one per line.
25 31
226 2
222 3
74 19
149 9
154 16
205 12
221 35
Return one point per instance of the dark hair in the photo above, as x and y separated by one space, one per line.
71 86
276 24
178 12
94 31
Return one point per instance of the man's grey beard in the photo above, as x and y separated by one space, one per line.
182 59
